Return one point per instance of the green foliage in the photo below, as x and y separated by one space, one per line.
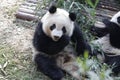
92 4
93 69
17 66
60 3
85 15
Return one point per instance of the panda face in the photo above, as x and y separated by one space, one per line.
116 18
58 22
56 33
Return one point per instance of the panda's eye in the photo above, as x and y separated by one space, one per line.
52 27
118 19
64 30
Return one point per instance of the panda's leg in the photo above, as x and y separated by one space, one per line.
48 67
66 60
113 59
116 70
81 44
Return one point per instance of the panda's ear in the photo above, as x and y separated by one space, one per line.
118 19
52 9
72 16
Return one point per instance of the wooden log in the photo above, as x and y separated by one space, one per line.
33 1
28 7
29 11
106 3
103 15
109 4
29 4
105 12
26 16
109 8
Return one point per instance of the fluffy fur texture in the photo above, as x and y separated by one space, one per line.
110 40
54 32
66 60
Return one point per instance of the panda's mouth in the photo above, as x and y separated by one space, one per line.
56 38
56 34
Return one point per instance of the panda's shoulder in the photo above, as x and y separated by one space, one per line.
76 28
39 31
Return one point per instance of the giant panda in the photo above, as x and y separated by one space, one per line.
109 41
57 37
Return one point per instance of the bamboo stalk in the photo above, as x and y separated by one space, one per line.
29 11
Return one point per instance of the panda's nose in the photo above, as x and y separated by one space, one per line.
56 37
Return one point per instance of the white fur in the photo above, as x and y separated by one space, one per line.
71 66
114 18
60 18
57 33
104 43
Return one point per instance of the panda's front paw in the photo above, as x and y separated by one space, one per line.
65 40
93 30
99 32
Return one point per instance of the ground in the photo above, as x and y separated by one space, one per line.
15 44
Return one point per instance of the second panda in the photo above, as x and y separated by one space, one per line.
109 41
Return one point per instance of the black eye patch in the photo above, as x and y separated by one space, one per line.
52 27
118 19
64 30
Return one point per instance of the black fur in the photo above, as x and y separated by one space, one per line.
113 61
118 20
48 66
100 32
52 9
114 31
72 16
45 44
78 39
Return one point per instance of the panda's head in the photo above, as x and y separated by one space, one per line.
58 22
116 18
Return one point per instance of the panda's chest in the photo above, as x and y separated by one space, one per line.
51 47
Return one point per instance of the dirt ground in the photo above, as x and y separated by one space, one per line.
14 32
15 44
